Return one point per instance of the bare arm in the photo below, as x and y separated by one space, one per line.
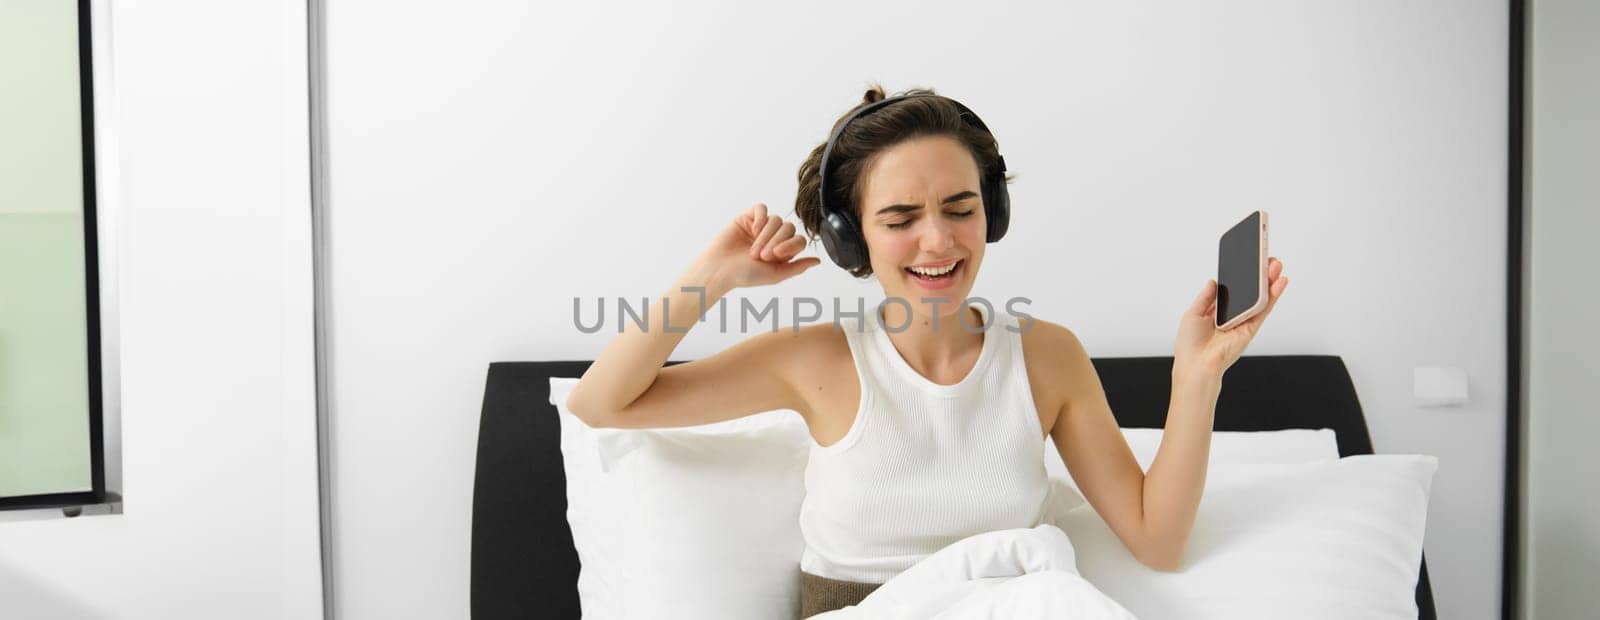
1153 512
627 386
1177 479
630 363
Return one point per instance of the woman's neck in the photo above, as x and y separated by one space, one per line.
949 348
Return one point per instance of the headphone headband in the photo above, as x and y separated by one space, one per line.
833 137
842 236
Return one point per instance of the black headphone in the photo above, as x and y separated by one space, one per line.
840 233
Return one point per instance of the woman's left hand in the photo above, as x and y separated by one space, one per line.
1202 349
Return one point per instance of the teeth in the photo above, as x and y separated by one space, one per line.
935 272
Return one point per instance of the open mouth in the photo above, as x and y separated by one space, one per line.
954 270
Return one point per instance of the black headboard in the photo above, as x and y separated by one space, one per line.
523 561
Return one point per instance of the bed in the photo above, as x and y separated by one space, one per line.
524 563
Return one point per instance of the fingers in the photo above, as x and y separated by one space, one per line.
786 249
1204 300
1274 293
768 228
773 240
748 217
758 218
785 234
802 265
1276 282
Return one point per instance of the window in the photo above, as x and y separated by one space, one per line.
51 450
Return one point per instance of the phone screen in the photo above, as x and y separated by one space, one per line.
1239 268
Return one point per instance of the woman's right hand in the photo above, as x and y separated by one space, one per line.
757 249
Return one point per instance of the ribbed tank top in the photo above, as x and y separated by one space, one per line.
924 464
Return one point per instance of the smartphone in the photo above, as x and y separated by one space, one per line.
1242 271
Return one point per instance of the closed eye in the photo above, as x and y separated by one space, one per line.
959 215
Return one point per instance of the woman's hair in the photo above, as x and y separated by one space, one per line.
866 137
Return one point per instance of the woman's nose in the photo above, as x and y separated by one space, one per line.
937 237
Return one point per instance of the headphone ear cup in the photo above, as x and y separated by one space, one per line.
997 208
843 242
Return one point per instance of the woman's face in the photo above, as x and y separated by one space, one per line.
922 206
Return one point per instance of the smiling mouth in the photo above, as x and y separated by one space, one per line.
954 269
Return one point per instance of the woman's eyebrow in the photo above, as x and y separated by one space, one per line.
901 208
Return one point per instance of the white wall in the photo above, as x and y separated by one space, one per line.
492 161
203 154
1562 516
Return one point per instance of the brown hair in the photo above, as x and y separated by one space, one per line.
866 137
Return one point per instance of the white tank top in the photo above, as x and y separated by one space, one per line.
923 465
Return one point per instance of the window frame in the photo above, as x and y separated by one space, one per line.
95 386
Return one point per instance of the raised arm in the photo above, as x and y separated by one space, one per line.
627 386
1153 512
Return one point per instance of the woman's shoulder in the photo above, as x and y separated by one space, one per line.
1046 341
821 343
800 354
799 347
1050 351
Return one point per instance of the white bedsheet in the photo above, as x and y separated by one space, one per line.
1015 574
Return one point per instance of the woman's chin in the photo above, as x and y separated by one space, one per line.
945 303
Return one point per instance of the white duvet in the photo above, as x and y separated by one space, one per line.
1015 574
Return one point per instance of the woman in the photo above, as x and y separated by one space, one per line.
927 429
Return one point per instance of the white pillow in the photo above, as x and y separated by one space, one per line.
1227 447
690 522
1330 539
735 487
1295 445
